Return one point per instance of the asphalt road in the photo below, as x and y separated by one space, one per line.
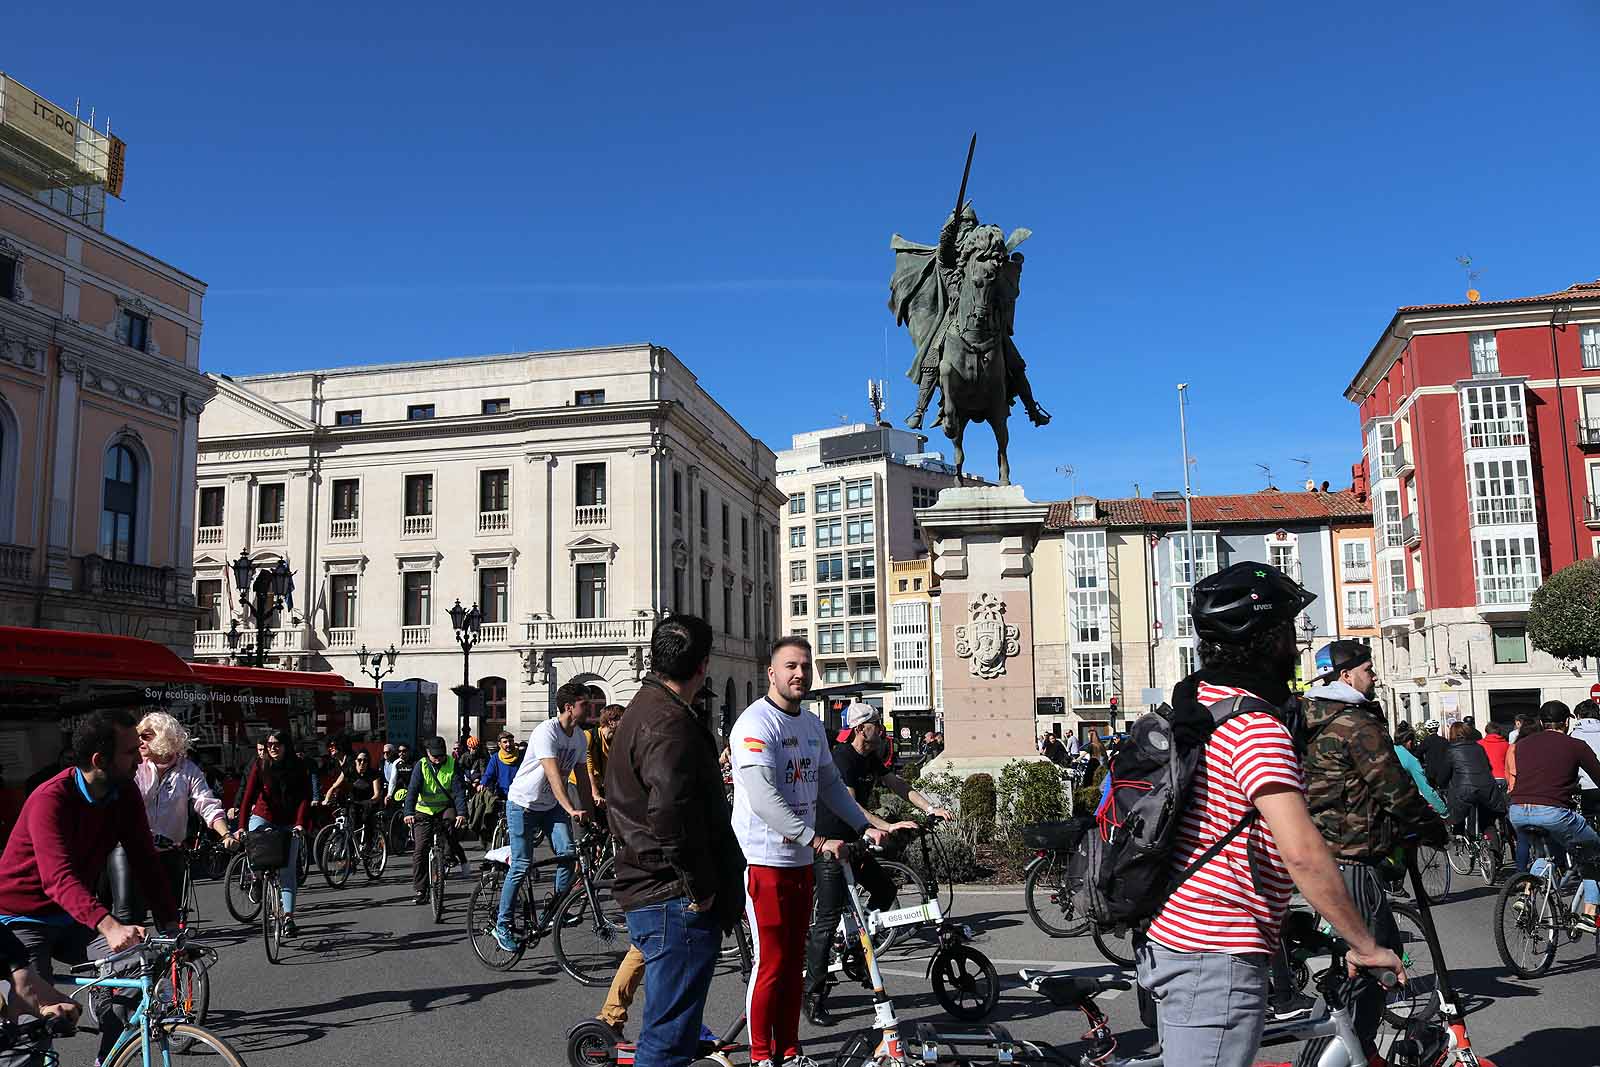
372 980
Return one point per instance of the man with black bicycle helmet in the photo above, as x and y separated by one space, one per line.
1363 801
1244 829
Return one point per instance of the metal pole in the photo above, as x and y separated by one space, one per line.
1188 507
1472 684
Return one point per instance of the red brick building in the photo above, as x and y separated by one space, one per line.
1482 446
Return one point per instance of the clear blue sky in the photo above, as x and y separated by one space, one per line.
1233 195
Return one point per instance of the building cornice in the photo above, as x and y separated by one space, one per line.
108 242
1406 325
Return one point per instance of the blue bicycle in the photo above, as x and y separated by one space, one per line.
157 1032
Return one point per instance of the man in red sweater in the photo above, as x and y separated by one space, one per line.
67 829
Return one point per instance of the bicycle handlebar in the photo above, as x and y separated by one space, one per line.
13 1033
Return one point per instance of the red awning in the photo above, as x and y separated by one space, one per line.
26 652
217 674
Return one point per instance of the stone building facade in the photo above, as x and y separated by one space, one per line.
574 496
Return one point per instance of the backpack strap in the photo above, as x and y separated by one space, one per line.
1221 712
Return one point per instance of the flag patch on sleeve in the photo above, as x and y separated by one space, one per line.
755 744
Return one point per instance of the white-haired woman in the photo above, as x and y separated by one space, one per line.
172 786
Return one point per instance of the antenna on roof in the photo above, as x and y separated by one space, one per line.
875 392
1268 472
1067 470
1472 278
1305 461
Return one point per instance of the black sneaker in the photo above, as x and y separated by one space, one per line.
290 929
1293 1008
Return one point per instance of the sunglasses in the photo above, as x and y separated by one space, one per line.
274 744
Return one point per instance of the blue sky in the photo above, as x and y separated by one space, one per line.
1232 195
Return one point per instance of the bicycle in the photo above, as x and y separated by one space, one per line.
588 929
1472 850
273 917
346 841
438 861
964 980
1537 910
156 1029
242 888
34 1037
1433 1037
1053 885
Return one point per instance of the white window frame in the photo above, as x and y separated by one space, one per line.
1506 568
1489 501
1589 339
1091 672
1485 349
1494 416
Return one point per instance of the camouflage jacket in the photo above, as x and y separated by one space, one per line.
1363 801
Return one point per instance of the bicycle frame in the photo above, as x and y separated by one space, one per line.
141 1018
854 921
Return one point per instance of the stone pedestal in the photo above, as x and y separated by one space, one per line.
983 539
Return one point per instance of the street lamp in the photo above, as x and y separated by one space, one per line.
263 591
1308 633
467 626
372 664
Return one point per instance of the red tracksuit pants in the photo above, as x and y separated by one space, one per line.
778 903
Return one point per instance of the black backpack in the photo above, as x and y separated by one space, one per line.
1130 872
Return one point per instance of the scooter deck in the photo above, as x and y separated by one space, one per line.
940 1043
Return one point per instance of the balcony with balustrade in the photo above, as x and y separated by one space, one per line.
344 530
16 564
136 582
1591 510
1359 619
1356 571
282 641
208 536
1589 432
342 637
414 636
416 526
1410 530
493 522
589 515
578 633
269 533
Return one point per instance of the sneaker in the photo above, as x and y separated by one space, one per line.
1583 924
290 929
1293 1008
507 943
801 1060
420 898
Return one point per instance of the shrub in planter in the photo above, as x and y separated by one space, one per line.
977 808
1030 792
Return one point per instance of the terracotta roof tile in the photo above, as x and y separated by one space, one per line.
1244 508
1580 291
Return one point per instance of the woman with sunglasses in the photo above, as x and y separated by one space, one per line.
172 786
278 795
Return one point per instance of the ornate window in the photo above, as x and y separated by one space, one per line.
119 504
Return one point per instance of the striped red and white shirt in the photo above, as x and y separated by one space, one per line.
1219 908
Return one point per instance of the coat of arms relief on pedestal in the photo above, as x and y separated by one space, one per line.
987 639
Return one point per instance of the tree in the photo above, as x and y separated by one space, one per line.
1564 617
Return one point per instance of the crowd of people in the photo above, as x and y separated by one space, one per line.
1292 792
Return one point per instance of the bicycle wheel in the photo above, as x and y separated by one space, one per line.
164 1040
1417 999
374 853
337 859
909 891
1489 857
320 841
1115 945
242 893
965 982
271 917
436 883
303 863
1434 866
1460 851
591 936
188 998
499 838
1525 930
1052 900
483 908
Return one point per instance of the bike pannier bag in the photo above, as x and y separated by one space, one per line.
267 848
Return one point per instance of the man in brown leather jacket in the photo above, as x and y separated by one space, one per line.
678 863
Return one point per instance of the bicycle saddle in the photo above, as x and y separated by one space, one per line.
1071 990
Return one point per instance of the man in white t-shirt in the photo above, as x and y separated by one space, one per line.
782 768
538 800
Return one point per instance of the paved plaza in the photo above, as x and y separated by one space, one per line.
372 977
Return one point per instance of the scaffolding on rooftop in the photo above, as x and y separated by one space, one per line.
60 160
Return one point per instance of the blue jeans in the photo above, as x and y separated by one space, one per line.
522 826
680 954
1566 828
290 875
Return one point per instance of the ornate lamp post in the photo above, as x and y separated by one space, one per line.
467 626
1308 633
263 591
373 664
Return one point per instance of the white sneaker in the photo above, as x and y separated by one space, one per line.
802 1060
